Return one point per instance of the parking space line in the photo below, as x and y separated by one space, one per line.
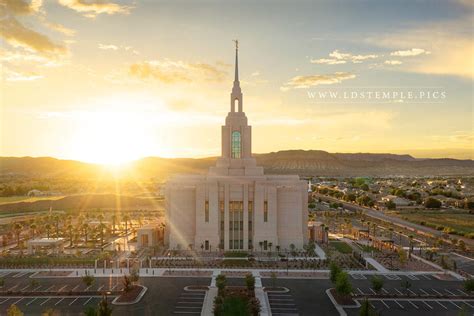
28 304
62 299
385 304
13 287
114 287
462 292
451 293
49 288
471 306
372 290
403 307
42 303
441 304
16 302
411 292
75 288
85 303
413 304
25 287
398 291
100 288
412 277
459 307
384 290
74 301
37 288
62 288
9 298
87 288
431 307
426 277
424 292
360 291
437 292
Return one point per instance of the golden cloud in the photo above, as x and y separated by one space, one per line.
93 8
18 35
169 71
299 82
21 7
410 52
338 57
11 75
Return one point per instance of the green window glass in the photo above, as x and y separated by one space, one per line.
236 145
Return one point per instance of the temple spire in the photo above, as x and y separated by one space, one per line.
236 77
236 95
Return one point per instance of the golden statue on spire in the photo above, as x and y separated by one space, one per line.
236 43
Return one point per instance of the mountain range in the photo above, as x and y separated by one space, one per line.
302 162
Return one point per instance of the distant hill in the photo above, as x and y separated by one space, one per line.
302 162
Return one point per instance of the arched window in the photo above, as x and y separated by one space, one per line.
236 145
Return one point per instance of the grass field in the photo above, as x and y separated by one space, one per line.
15 199
457 222
341 246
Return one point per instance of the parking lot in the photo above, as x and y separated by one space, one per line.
393 277
282 304
189 303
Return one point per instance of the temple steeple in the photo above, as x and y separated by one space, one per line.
236 95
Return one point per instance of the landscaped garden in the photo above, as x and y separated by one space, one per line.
236 300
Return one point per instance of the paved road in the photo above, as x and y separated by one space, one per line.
382 216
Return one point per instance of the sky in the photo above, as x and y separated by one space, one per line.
112 81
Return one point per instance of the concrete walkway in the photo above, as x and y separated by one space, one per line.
376 265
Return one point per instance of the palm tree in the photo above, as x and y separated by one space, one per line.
261 245
17 227
70 228
85 229
411 245
101 233
126 219
33 227
163 226
270 245
114 220
277 249
48 229
56 220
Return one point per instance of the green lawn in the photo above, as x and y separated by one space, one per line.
14 199
341 246
457 221
235 306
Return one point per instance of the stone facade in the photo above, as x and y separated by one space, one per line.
236 206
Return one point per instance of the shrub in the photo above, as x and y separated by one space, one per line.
334 271
377 283
469 285
250 282
343 286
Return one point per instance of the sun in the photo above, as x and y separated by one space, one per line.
111 137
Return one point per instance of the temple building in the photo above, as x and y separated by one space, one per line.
236 206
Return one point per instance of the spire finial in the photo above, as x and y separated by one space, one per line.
236 77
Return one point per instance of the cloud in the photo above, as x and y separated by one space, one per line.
393 62
18 35
299 82
92 8
255 74
11 75
59 28
449 43
410 52
328 61
21 7
108 47
169 71
338 58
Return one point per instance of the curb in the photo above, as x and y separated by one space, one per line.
340 308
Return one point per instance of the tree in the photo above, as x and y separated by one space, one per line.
469 285
260 243
33 228
377 283
48 229
126 219
104 308
114 221
270 245
343 286
88 279
390 205
85 230
274 279
250 282
277 247
220 284
70 228
17 227
406 285
334 271
402 255
127 283
90 311
101 228
432 203
366 308
13 310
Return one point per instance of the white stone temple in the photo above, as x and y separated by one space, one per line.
236 207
